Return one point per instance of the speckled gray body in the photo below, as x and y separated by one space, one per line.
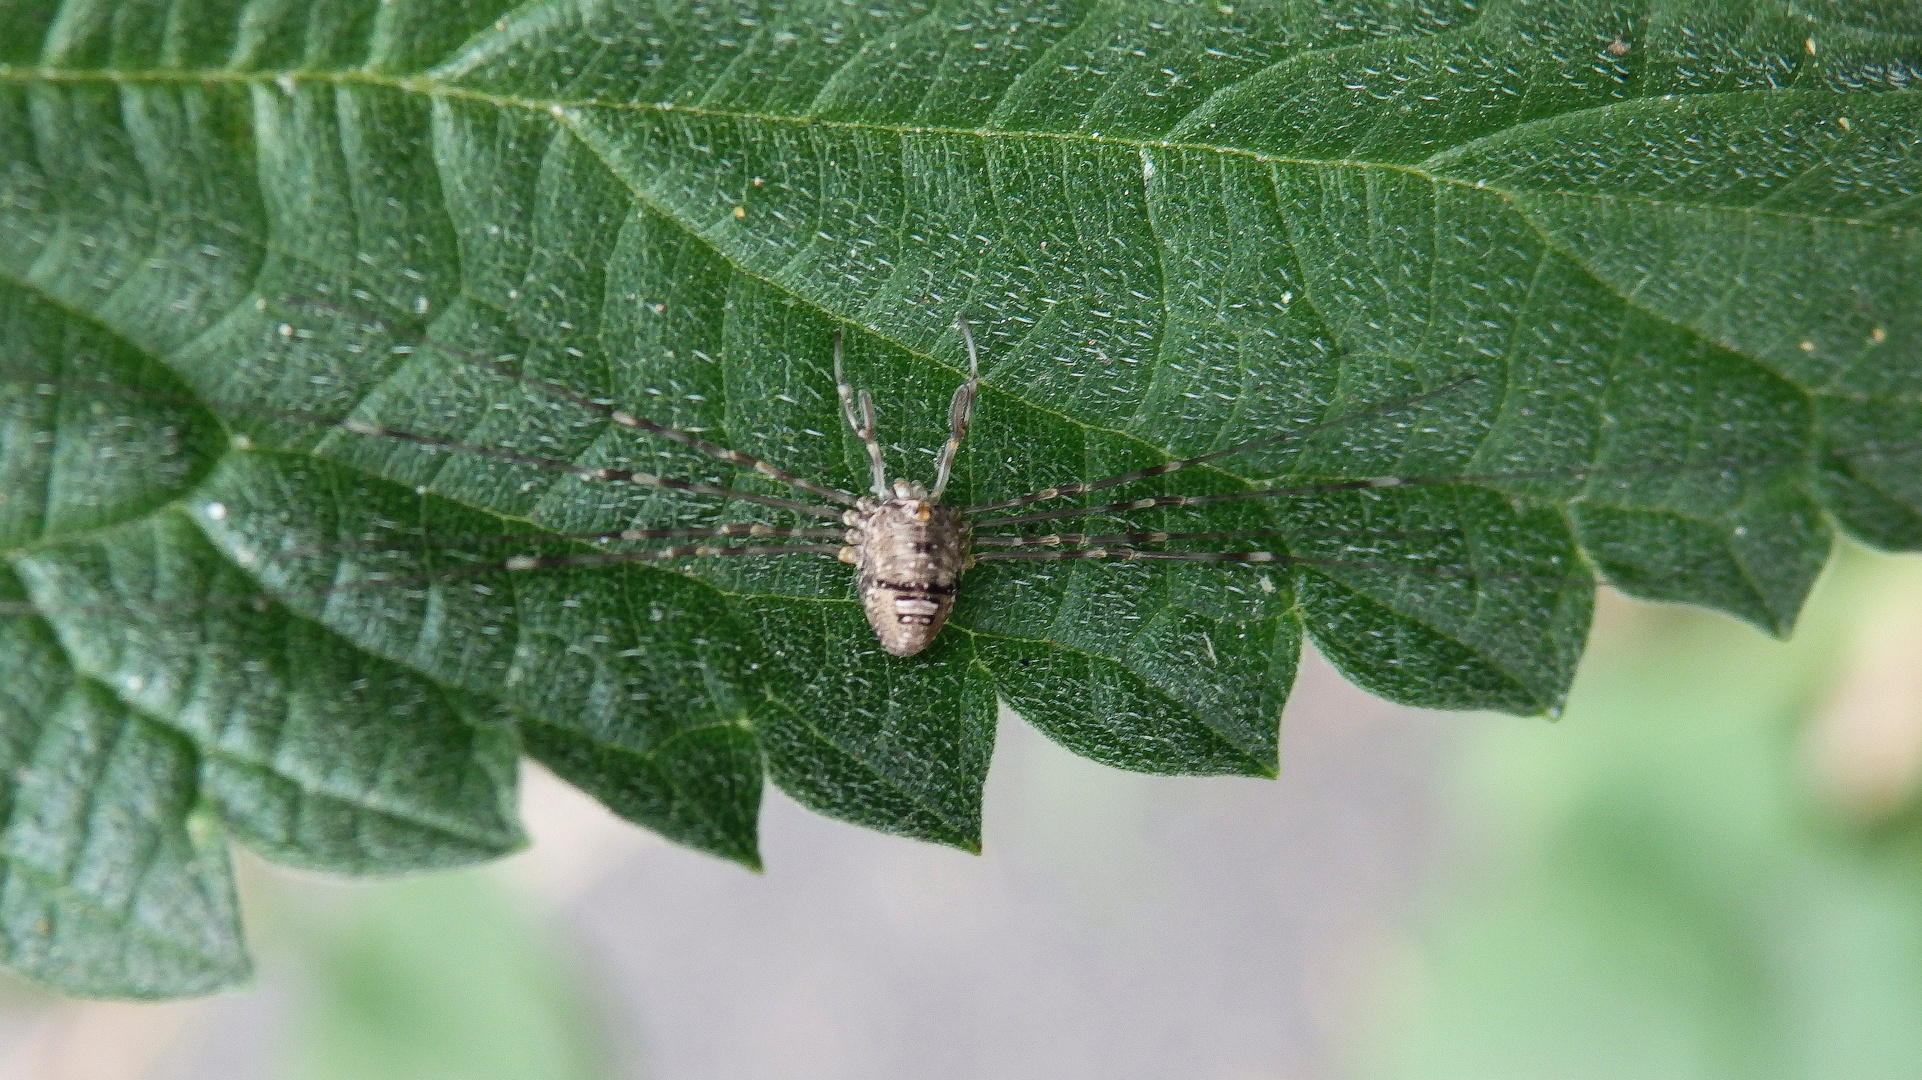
907 549
908 553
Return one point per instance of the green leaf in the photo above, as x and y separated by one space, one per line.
110 881
1625 292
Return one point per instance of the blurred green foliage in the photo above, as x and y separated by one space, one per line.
442 978
1669 883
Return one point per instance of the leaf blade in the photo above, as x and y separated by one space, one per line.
1175 230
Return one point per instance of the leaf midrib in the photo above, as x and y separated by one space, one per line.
560 111
427 86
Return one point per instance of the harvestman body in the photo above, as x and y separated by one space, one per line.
908 550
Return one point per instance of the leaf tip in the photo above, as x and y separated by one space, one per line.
965 838
1781 625
747 856
963 834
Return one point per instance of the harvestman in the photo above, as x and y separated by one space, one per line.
909 550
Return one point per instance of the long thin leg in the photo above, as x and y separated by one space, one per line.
1090 540
1254 444
515 564
618 476
722 453
624 418
519 563
1359 484
394 541
1128 554
1191 500
863 425
960 411
742 528
678 551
